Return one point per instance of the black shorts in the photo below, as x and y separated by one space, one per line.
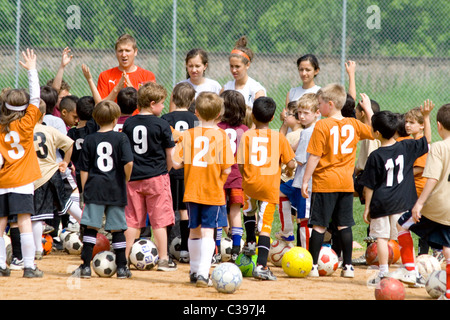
12 204
435 234
50 197
177 188
333 206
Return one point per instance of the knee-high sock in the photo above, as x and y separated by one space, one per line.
304 234
447 270
184 233
14 234
263 250
406 249
2 253
37 227
207 251
89 241
346 237
285 215
249 225
28 249
315 244
119 245
194 246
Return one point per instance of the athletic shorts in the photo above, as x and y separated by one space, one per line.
300 204
150 197
206 216
333 206
385 227
12 203
177 189
52 195
234 195
264 211
93 217
435 234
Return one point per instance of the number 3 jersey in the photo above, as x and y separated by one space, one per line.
389 172
103 156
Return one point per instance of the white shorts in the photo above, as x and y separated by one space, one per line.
385 227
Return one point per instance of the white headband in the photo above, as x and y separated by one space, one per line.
16 108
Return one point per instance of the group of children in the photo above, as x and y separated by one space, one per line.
205 160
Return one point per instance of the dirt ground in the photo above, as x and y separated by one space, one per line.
57 284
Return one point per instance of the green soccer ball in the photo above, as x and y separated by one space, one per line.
246 264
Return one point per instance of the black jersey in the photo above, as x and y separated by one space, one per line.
77 135
389 173
103 156
149 137
180 121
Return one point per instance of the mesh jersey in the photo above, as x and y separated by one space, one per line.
206 152
335 142
260 152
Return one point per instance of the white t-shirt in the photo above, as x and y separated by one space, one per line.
297 92
249 91
209 85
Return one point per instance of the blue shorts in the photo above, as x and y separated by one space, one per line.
296 199
437 235
206 216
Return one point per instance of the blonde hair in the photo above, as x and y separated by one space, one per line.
335 93
208 105
308 101
150 91
105 112
248 121
126 38
415 114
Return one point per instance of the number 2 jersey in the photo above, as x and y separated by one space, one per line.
335 142
389 172
103 156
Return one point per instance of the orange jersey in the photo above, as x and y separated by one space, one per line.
261 152
420 162
335 142
205 152
18 160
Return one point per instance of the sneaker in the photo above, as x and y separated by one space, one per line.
203 282
32 273
123 273
47 229
361 261
406 276
420 282
348 271
263 273
57 245
249 248
192 277
73 227
184 256
375 281
314 273
82 272
166 265
5 272
16 264
38 255
288 238
216 259
443 297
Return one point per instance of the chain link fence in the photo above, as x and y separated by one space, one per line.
402 48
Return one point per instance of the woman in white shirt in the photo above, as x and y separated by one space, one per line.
196 65
240 60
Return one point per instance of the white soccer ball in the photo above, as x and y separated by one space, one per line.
226 244
226 277
174 247
277 249
72 243
436 284
104 264
328 261
426 264
144 254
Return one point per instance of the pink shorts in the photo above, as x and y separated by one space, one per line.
151 196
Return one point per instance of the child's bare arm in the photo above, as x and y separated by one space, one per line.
127 168
177 162
427 189
426 109
350 67
169 152
87 74
368 193
67 156
83 177
367 107
29 63
65 60
311 165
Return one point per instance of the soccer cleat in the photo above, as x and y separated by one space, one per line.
314 273
166 265
192 277
32 273
263 273
16 264
82 272
375 281
287 238
407 276
249 248
123 273
420 282
5 272
203 282
348 271
360 261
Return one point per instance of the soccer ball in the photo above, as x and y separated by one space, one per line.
226 244
226 277
8 248
426 264
396 250
277 249
297 262
174 248
101 244
436 284
144 254
104 264
72 243
372 255
246 264
390 289
47 244
328 261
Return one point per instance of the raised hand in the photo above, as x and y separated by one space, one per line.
29 58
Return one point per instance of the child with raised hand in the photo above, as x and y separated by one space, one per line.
260 155
232 122
105 166
331 163
388 181
181 119
19 166
196 63
148 190
206 155
240 59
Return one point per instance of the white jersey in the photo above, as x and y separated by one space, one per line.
248 91
297 92
209 85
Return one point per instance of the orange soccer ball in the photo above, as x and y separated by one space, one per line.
372 255
396 250
47 244
102 244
